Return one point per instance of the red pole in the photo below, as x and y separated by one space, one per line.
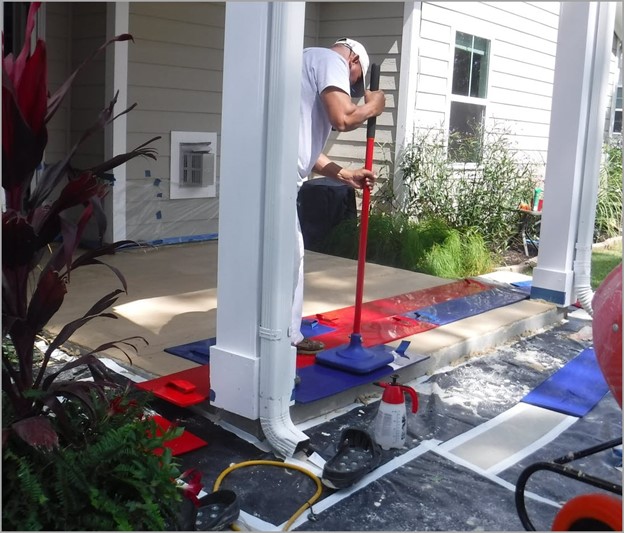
368 164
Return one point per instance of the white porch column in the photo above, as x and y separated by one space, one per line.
574 145
253 358
116 135
408 86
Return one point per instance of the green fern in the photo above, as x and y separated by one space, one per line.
111 481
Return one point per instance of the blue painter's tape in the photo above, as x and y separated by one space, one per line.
312 328
524 286
188 238
159 195
426 314
402 347
156 182
158 215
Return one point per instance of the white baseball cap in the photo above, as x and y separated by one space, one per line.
357 90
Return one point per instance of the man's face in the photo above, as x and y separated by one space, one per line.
355 67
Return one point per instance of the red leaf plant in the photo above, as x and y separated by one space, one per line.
34 218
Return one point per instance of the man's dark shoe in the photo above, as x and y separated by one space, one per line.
309 346
357 455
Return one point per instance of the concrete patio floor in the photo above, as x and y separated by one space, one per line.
172 300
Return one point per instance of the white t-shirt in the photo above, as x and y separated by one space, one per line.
322 68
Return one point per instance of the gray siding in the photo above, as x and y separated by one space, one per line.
58 35
88 32
175 75
312 13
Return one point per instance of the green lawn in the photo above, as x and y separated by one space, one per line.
603 262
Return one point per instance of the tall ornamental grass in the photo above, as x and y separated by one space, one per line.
482 196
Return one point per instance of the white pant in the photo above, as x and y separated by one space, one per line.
297 307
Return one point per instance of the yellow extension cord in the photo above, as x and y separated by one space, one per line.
306 505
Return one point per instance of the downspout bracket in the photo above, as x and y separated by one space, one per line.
270 334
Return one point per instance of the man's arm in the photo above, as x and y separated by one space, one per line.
355 178
344 115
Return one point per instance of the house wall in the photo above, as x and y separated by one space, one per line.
57 37
311 28
88 33
73 30
523 39
175 74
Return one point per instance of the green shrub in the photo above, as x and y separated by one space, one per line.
482 196
609 201
112 480
430 246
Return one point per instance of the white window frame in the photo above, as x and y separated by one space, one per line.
176 191
451 97
616 109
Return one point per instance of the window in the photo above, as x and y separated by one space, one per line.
617 115
468 97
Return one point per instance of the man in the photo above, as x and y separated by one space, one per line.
330 77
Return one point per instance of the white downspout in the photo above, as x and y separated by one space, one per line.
603 23
277 356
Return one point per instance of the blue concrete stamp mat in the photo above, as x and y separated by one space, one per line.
574 389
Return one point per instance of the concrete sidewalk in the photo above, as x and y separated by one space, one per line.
172 300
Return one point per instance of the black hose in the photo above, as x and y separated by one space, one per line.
558 467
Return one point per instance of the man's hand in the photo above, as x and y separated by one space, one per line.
357 178
377 101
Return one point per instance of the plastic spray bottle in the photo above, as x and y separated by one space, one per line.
391 421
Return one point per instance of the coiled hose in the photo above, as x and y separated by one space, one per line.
306 505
